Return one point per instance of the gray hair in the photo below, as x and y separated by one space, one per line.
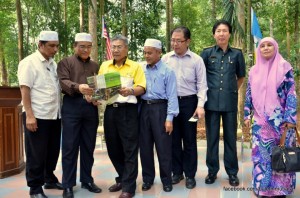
120 37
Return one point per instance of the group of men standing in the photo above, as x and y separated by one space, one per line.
173 89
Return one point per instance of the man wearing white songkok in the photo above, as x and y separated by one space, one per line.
79 117
41 114
159 106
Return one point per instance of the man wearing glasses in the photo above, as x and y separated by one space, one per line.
191 90
79 117
121 117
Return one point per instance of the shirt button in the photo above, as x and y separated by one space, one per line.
221 89
221 74
222 61
221 67
221 81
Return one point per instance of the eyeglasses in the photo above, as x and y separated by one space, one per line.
177 41
117 47
83 47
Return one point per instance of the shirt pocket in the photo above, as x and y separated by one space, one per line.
213 63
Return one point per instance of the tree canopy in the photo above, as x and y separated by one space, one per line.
143 19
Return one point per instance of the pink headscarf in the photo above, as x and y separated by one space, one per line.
265 78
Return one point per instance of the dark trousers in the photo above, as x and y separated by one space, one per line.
212 122
184 150
80 123
152 130
42 150
121 135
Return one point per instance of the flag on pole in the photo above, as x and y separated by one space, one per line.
255 29
107 39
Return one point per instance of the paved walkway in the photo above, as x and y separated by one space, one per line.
104 173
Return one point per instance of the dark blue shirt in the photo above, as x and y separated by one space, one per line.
223 70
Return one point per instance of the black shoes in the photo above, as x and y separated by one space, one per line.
234 180
210 178
68 193
92 187
146 186
190 182
177 178
116 187
40 195
53 186
167 188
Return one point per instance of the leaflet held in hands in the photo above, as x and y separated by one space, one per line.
106 87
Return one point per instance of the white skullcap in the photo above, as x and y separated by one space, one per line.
48 36
83 37
153 43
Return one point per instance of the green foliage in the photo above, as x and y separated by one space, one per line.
194 15
8 34
231 15
143 21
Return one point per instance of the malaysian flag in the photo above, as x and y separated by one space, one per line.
107 39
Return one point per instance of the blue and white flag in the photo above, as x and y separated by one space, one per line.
255 30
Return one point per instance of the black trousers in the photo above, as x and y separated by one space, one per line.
42 150
212 122
152 130
184 150
80 123
121 135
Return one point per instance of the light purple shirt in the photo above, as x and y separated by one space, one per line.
190 74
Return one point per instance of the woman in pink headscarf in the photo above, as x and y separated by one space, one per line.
272 101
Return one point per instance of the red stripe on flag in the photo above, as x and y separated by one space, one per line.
106 36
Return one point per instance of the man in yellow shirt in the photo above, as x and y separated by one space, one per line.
121 117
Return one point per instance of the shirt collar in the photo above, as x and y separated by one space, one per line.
156 66
187 53
219 48
42 58
125 61
87 60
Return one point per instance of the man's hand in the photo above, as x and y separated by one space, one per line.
85 89
31 123
125 91
199 112
89 100
169 127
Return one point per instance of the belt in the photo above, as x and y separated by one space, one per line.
156 101
185 97
116 104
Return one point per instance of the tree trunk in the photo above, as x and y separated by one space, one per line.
93 29
296 36
27 32
271 21
3 72
240 43
288 43
213 10
168 25
81 16
20 30
171 14
101 14
249 36
124 20
66 28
